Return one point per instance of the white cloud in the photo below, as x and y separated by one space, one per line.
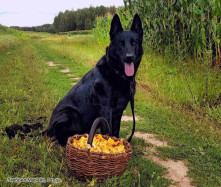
32 13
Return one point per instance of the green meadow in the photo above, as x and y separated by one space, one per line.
173 100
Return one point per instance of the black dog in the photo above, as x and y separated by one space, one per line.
105 90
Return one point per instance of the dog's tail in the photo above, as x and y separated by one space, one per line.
26 129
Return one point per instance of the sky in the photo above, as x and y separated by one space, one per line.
39 12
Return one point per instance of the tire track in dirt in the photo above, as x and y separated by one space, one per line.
177 170
66 70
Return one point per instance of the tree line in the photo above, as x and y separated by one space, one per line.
43 28
81 19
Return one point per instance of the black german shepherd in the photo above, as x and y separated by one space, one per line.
105 90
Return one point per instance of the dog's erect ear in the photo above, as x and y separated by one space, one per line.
137 25
116 26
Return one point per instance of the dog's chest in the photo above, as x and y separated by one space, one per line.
112 97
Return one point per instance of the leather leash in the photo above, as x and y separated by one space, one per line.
132 109
131 102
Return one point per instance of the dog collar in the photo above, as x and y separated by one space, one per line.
123 76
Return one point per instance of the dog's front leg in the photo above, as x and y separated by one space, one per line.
114 120
115 124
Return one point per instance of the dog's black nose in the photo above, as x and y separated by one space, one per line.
129 57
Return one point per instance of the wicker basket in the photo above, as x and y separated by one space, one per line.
86 165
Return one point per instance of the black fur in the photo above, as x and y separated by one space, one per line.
105 90
14 129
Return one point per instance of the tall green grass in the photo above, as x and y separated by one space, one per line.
102 28
9 38
102 25
187 28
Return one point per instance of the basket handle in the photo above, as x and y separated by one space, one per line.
104 127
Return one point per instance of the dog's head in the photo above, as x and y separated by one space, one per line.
125 50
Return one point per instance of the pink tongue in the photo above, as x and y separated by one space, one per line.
129 69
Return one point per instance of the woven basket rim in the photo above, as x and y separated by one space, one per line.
128 147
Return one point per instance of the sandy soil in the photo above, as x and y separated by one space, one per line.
177 171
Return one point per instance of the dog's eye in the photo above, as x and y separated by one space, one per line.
134 43
121 44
